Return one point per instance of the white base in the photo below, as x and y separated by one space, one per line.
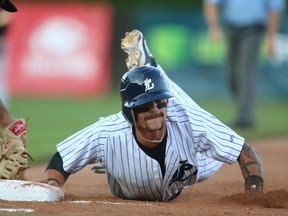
20 190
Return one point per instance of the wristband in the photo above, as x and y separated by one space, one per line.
253 183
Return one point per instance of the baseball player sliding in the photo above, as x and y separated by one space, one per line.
160 143
13 155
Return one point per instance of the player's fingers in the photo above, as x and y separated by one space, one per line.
98 168
50 181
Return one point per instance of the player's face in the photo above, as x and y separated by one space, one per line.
151 116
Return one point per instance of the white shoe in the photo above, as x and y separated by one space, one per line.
134 44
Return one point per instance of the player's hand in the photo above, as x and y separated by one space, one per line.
215 34
98 168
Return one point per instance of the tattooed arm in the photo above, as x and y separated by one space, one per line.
252 169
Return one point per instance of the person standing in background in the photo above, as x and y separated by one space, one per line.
246 22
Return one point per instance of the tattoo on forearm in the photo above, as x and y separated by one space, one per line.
250 162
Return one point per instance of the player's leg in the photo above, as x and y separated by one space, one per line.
207 167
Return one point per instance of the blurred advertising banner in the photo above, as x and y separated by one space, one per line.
59 49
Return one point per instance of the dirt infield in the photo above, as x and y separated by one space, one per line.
88 193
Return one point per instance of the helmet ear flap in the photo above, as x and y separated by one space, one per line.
127 112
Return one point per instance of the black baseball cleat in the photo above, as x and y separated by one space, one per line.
134 44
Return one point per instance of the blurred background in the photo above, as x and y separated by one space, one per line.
73 48
63 64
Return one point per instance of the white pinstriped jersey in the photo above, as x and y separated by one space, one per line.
197 145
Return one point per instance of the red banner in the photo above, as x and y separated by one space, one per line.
60 49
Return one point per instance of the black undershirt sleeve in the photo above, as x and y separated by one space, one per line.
56 163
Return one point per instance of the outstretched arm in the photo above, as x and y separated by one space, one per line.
251 168
55 174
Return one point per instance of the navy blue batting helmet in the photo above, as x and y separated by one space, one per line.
142 85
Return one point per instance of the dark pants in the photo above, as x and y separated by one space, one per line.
242 63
